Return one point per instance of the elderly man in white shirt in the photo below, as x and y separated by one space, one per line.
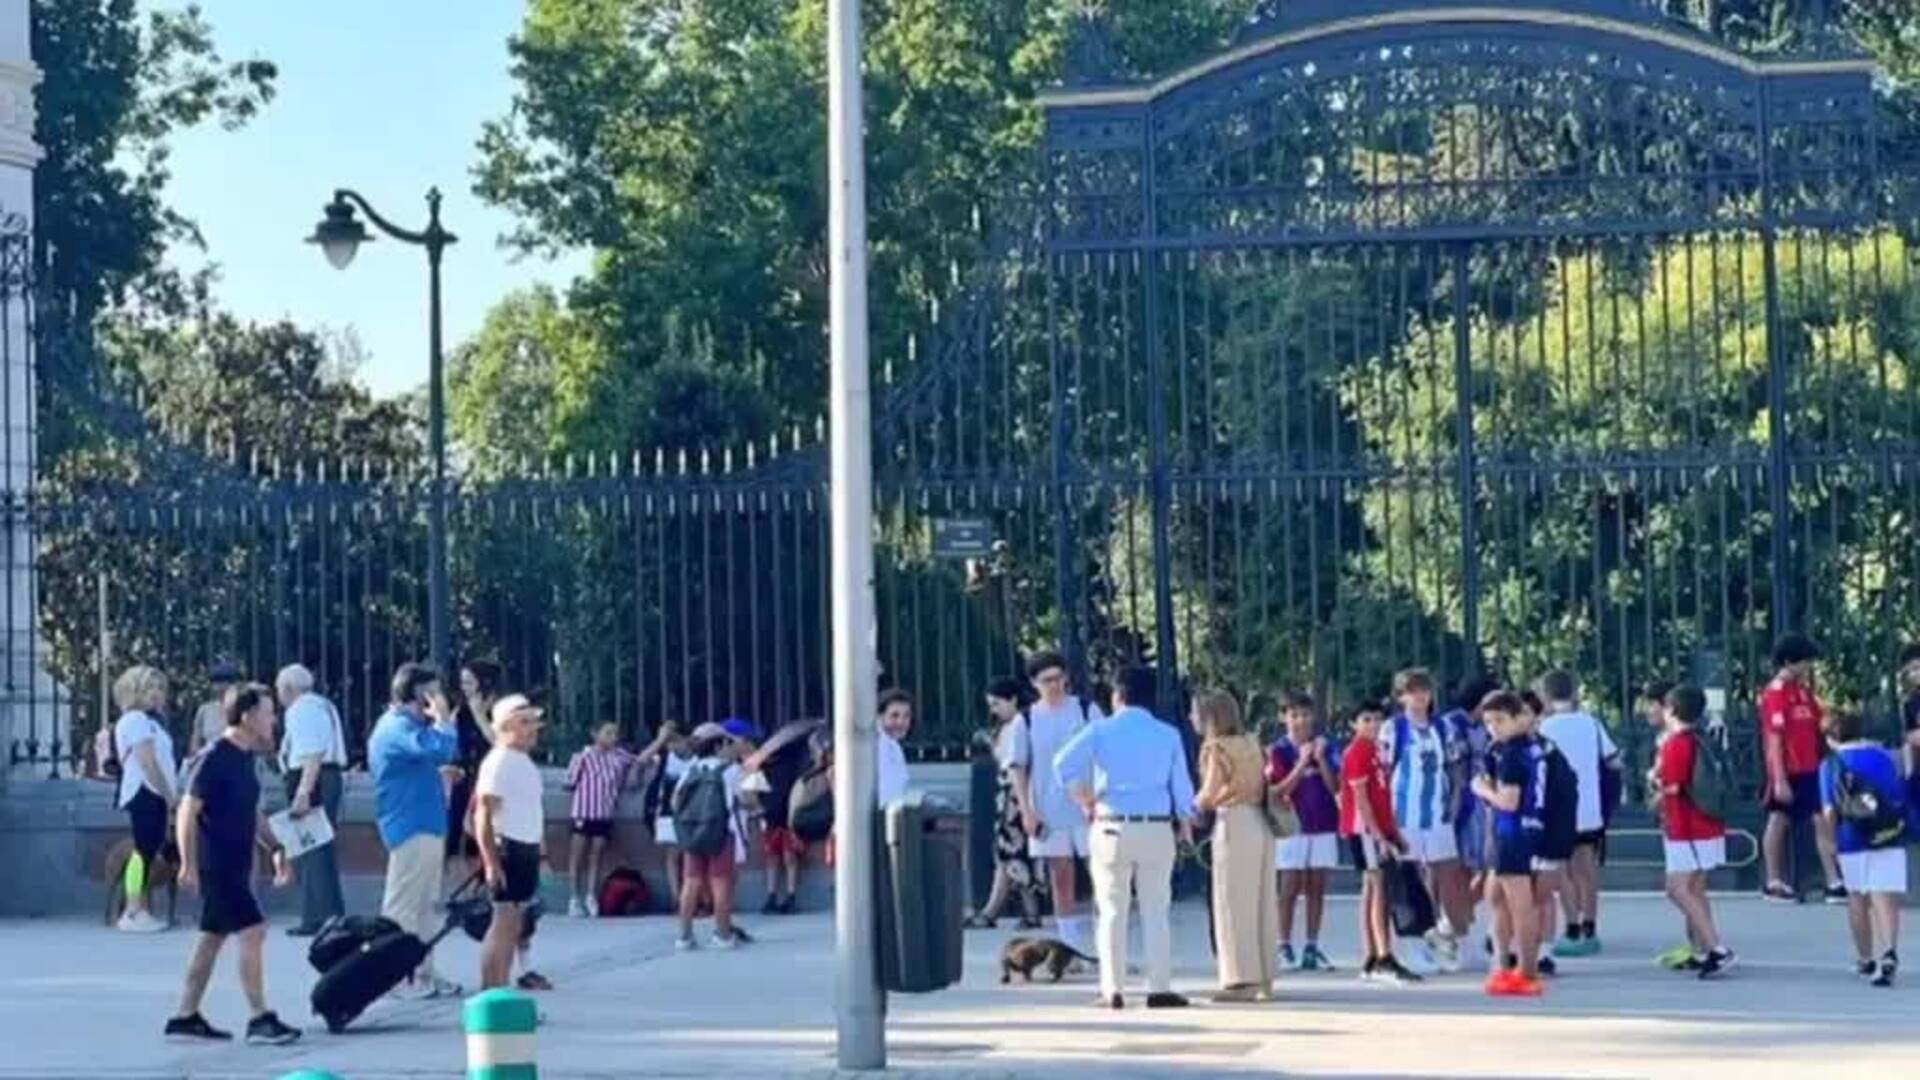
313 753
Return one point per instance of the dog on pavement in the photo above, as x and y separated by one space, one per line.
1025 955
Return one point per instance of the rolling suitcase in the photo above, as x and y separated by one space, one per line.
358 980
345 935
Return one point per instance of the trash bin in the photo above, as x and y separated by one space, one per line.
920 895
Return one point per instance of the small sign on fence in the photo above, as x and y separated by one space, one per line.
962 538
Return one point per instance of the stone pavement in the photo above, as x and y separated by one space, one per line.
80 1001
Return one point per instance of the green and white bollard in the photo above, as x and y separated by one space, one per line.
500 1041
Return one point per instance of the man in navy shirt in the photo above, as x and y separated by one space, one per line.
220 825
1129 771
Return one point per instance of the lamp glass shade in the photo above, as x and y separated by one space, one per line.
339 235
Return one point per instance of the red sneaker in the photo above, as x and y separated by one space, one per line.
1523 986
1500 983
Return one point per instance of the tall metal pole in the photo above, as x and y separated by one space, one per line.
858 1000
439 602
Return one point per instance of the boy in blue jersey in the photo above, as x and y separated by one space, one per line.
1863 794
1425 764
1512 792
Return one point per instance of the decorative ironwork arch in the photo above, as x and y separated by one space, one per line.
1363 121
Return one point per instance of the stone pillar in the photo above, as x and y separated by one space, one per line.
27 699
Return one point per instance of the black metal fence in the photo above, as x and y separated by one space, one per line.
1532 335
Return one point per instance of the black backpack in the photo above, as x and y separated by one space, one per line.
810 811
1560 805
700 817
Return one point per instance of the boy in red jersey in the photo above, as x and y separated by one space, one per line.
1696 841
1367 824
1793 744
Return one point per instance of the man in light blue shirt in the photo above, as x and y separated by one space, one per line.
1130 771
407 752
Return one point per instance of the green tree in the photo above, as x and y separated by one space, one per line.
118 83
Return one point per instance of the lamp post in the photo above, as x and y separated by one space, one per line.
859 1002
339 236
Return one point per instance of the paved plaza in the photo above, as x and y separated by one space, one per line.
83 1002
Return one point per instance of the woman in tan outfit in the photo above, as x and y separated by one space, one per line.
1233 786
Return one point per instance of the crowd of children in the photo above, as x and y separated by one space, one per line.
1506 798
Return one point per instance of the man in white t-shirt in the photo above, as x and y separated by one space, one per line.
890 756
1583 740
509 824
313 755
1056 824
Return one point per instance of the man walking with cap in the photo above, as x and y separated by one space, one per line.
313 751
1130 771
509 822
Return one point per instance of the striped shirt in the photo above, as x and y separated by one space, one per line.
595 778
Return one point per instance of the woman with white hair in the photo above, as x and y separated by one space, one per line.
144 748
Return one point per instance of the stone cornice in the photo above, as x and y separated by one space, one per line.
17 112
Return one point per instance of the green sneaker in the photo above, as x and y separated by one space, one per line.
1581 946
1676 958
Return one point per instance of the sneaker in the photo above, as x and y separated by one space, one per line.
139 922
1889 967
593 907
1419 960
267 1030
1521 986
438 987
772 906
1370 971
1166 999
1446 955
1548 967
685 943
1675 958
1717 963
533 982
412 990
1692 965
1866 969
1393 971
1777 892
195 1028
1500 983
576 908
1312 959
1580 946
1285 960
1835 894
724 941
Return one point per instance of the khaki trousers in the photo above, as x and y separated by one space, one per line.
1130 857
1246 914
412 894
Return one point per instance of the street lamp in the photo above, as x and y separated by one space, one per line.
339 236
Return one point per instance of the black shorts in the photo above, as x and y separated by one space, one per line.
1597 840
521 863
1366 852
593 828
147 813
1513 857
227 903
1806 797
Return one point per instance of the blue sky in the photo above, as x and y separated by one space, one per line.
386 97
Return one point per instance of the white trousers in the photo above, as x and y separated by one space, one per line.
1130 857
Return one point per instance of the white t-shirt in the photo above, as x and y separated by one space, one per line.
891 781
675 766
313 727
1037 739
1585 742
511 776
130 732
210 721
1418 775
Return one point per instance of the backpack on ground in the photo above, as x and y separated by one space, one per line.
810 808
623 894
700 817
1560 805
1711 786
1881 816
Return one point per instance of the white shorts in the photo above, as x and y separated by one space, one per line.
1308 851
664 834
1883 871
1696 856
1434 845
1064 843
